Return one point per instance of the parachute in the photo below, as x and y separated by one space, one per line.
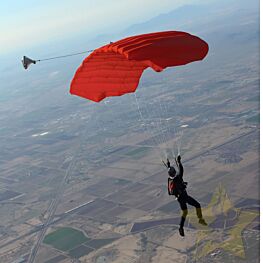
115 69
26 61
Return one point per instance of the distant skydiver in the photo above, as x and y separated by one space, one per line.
177 187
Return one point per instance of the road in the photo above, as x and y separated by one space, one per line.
50 212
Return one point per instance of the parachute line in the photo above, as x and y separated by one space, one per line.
65 56
26 61
163 126
157 138
156 148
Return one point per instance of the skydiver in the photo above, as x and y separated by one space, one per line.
177 187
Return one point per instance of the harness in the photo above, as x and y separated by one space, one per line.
175 187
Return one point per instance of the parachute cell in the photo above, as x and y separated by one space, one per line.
115 69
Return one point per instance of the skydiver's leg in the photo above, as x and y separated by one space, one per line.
184 211
191 201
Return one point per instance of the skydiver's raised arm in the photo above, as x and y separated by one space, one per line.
167 164
180 166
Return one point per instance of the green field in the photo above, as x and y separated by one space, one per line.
65 238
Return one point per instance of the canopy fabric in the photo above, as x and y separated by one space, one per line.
115 69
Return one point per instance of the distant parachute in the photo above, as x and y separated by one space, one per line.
27 61
115 69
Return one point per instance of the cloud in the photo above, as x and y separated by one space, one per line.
53 74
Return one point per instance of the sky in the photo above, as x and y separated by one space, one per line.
33 23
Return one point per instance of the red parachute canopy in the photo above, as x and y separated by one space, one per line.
115 69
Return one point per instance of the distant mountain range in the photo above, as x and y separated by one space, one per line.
196 17
226 18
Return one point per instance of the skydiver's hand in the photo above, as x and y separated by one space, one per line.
168 163
178 158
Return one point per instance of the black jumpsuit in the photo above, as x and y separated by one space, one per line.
183 198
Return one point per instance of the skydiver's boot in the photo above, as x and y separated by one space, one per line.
183 217
181 228
202 222
200 216
181 231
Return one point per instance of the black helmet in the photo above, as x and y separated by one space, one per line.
171 171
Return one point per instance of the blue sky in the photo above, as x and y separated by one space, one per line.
33 23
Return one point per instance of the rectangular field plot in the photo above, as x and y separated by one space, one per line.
129 198
121 196
65 238
137 187
110 216
98 243
107 186
80 251
142 226
153 204
105 218
56 259
135 152
118 210
170 208
96 207
248 203
8 194
159 178
118 172
138 200
7 180
138 152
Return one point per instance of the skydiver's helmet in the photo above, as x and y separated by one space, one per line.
172 171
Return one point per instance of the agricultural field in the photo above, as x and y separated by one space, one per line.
65 238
